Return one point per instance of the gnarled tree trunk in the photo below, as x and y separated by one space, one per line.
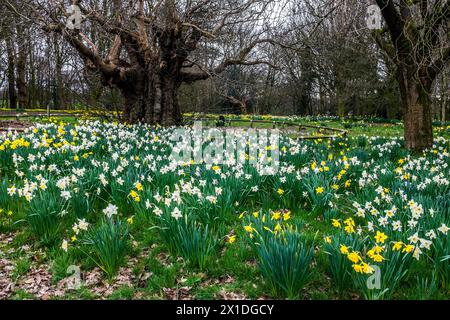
151 96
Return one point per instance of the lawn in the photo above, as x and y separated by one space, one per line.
354 217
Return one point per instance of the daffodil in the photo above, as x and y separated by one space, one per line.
408 248
349 229
358 268
344 249
354 257
276 215
378 258
248 228
336 223
380 237
366 268
139 186
64 245
135 196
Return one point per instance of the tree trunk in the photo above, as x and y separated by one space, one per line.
444 96
32 86
58 95
340 105
11 75
152 97
416 105
21 76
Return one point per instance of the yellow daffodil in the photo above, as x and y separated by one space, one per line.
358 268
248 228
343 249
276 215
366 268
408 248
397 245
378 258
349 229
349 222
380 237
139 186
336 223
278 227
353 257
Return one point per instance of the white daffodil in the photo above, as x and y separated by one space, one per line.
176 213
64 245
443 228
110 210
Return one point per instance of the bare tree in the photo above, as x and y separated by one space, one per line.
152 45
420 48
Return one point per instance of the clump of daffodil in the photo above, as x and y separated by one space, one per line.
276 222
349 225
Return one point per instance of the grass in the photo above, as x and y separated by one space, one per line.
22 267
